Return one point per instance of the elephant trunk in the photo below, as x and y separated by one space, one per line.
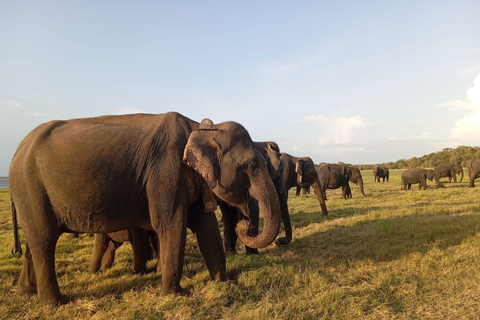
263 190
360 184
461 174
317 188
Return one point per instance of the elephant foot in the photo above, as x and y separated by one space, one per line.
282 241
54 300
251 251
27 290
178 290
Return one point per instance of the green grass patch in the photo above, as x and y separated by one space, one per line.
396 255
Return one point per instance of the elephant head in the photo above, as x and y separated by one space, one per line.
458 170
430 174
225 156
354 175
307 176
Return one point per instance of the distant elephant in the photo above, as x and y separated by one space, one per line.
447 170
144 243
413 176
231 215
301 172
473 170
110 173
380 172
334 176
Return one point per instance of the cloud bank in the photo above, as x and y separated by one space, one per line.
467 129
338 130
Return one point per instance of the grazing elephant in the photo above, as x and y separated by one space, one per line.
334 176
380 172
413 176
231 215
110 173
144 243
473 171
447 170
301 172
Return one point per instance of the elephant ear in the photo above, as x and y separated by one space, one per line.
347 172
299 169
201 153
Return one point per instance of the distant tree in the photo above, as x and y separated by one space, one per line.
460 155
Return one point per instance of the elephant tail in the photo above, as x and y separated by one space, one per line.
17 248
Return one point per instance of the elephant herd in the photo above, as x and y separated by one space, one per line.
146 179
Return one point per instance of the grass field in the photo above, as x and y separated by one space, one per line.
395 255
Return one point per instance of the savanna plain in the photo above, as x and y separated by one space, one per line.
395 255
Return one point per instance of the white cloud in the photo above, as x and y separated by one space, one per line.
425 135
340 130
471 50
128 111
467 129
12 104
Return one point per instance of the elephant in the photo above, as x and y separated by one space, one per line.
231 216
447 170
148 171
380 172
301 172
144 243
334 176
473 170
420 176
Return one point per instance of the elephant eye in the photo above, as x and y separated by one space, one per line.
253 167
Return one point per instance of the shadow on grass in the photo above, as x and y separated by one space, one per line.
384 239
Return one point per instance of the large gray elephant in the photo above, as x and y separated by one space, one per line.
144 244
380 172
301 172
334 176
110 173
413 176
447 170
473 170
231 215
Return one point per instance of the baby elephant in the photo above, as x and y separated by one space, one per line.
145 247
413 176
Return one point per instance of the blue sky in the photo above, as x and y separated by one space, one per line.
353 81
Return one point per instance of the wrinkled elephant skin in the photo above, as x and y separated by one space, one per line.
110 173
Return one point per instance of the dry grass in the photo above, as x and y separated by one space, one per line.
395 255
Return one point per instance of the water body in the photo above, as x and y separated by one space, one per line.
3 182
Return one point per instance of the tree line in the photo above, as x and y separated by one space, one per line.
460 155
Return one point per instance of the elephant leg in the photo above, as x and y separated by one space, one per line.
153 238
286 221
172 237
100 245
205 227
230 218
346 192
298 191
108 257
141 248
27 283
43 256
